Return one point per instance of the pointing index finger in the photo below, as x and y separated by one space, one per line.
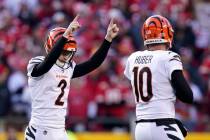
76 18
111 22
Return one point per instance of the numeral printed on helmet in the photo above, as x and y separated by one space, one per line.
139 82
62 84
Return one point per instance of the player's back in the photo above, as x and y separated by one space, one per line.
150 73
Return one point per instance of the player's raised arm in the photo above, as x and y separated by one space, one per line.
54 50
99 56
112 31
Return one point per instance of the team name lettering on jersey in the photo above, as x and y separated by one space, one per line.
61 76
143 59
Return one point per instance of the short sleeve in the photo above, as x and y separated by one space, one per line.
34 61
173 63
127 69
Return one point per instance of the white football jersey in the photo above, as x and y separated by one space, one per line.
49 94
150 75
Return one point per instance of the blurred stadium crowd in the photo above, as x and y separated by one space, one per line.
102 100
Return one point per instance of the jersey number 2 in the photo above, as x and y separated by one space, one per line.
62 84
139 82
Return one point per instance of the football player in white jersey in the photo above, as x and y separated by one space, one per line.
49 80
157 79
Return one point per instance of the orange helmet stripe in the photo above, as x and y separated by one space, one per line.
157 29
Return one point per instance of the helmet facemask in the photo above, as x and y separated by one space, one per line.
68 52
67 56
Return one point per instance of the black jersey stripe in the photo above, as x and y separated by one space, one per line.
33 129
36 63
175 59
30 134
177 56
172 137
37 58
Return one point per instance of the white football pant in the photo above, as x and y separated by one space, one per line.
150 131
36 133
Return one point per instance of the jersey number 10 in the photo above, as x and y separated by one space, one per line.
139 82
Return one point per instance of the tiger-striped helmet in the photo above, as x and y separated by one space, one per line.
56 34
157 29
